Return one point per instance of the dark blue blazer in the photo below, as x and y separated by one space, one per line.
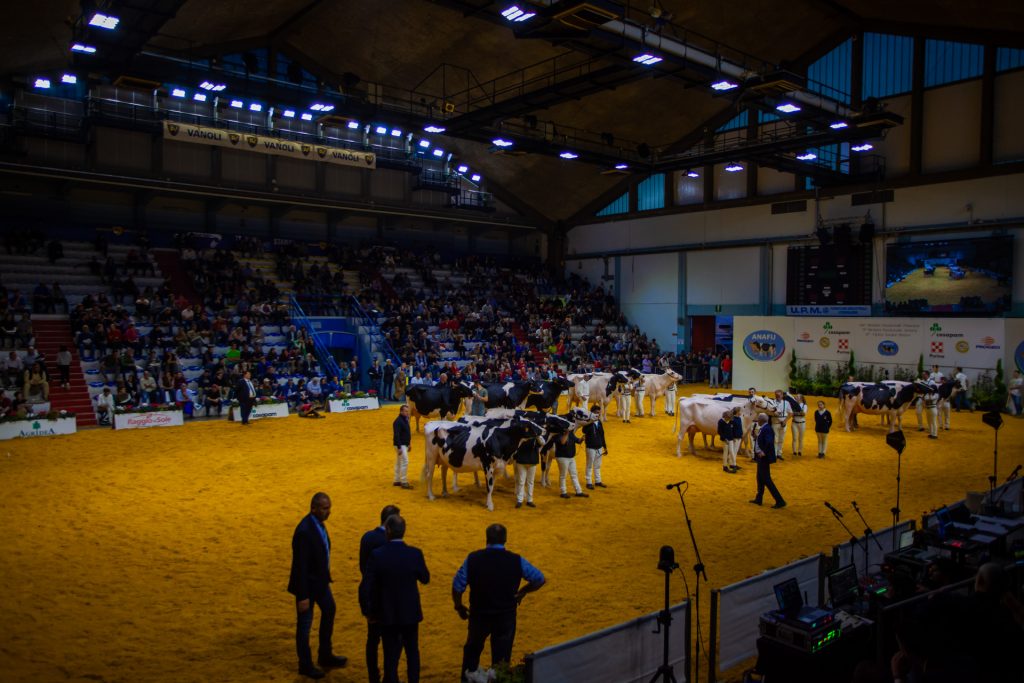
766 442
371 540
311 568
393 571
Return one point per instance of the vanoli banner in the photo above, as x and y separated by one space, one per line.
248 142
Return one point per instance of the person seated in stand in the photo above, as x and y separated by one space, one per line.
265 389
211 398
147 388
37 387
315 389
12 369
126 364
166 388
6 405
122 397
105 406
185 398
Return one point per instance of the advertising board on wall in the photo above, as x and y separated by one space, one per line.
41 427
157 418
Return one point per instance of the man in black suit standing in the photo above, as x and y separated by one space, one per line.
494 577
765 455
246 394
310 582
392 574
371 540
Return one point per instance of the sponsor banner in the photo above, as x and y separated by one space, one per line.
247 142
967 342
157 418
261 411
895 341
824 338
25 429
829 311
762 366
348 405
1013 354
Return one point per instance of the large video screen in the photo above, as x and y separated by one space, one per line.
951 277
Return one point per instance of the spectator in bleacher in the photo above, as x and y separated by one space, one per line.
147 388
212 397
6 406
266 389
387 380
185 399
30 358
37 388
166 387
123 397
64 366
401 381
353 375
105 406
12 369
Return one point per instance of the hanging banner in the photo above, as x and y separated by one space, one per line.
834 311
247 142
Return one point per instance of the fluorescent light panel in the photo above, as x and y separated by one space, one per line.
438 153
104 21
809 156
434 129
475 178
80 47
353 125
306 116
237 104
733 168
788 108
568 155
395 133
42 83
463 169
647 59
424 143
500 142
255 106
380 130
288 113
839 125
177 92
724 85
514 13
692 174
863 147
621 167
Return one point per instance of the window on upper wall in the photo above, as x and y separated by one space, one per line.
650 193
830 75
949 62
1009 58
888 65
767 116
735 123
620 205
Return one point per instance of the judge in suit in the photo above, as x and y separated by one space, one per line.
371 540
764 454
310 583
393 571
246 394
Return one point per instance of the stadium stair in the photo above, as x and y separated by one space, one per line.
50 332
169 263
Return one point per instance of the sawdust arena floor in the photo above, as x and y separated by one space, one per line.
163 554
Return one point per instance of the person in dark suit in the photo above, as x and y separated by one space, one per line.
495 578
392 573
246 394
764 454
371 540
310 582
597 448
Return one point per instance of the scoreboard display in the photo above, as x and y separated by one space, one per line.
831 274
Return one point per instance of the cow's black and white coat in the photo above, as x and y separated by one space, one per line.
430 401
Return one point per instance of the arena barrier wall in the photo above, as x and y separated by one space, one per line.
762 346
629 652
853 552
740 606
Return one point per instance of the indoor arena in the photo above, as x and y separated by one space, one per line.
536 342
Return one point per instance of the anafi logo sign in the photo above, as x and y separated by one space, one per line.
764 346
888 348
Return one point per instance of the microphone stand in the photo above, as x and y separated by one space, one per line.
854 541
868 533
897 441
698 570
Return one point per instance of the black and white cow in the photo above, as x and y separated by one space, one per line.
481 446
508 394
546 396
878 399
429 401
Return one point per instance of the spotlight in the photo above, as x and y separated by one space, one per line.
863 147
432 128
839 125
424 144
734 168
788 108
568 155
380 130
463 169
499 142
288 114
236 104
809 156
79 47
438 153
70 79
104 21
255 106
306 116
177 92
395 133
475 178
692 174
621 167
353 125
723 85
42 83
647 59
199 97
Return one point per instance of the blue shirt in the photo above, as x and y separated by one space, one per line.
530 573
323 535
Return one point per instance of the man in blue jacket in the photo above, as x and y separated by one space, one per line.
310 582
392 573
764 454
371 540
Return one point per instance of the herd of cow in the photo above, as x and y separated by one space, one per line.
520 412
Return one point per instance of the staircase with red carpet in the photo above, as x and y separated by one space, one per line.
51 331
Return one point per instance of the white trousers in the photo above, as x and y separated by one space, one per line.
584 401
822 442
402 464
625 406
920 415
944 410
593 469
933 420
798 436
735 443
730 447
525 475
640 403
568 466
779 427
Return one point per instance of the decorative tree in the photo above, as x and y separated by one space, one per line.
794 372
852 372
920 366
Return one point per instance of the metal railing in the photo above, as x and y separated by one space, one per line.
375 334
328 365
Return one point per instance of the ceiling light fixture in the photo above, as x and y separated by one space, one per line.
255 106
70 79
839 125
463 169
475 178
288 113
199 97
808 156
438 152
306 116
734 168
424 144
568 155
647 59
215 87
432 128
42 83
353 125
514 13
237 104
104 21
723 85
788 108
380 130
621 167
79 47
500 142
692 174
863 147
395 133
177 92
